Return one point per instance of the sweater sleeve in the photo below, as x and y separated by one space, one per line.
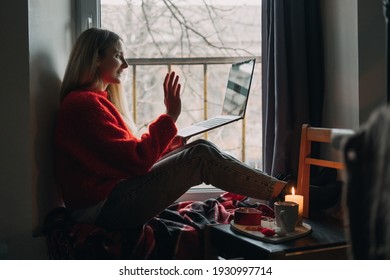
93 132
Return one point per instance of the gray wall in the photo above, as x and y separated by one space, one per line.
15 171
35 43
372 58
354 40
50 28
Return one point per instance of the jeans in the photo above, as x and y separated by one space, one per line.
133 202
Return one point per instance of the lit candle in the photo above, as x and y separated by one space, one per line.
297 199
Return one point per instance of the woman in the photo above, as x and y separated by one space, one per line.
110 177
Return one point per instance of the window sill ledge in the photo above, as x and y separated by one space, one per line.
200 193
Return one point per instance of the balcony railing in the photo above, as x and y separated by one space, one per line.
205 62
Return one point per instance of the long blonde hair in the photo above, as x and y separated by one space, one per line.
82 71
116 97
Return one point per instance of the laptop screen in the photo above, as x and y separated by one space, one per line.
238 86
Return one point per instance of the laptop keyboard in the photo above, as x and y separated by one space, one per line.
212 122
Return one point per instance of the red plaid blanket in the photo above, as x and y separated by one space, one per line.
176 233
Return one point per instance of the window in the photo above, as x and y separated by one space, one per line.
199 40
87 14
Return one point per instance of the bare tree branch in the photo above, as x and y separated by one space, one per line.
149 29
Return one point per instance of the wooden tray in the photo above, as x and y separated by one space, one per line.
300 231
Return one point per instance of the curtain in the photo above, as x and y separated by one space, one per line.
292 79
386 12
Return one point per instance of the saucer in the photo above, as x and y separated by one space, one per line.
300 231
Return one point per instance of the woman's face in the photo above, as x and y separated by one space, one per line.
112 64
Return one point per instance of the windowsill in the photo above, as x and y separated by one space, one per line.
204 192
200 193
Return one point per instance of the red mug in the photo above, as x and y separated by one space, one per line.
247 216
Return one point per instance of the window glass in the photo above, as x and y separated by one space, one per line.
191 29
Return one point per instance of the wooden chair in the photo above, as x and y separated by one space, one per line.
315 134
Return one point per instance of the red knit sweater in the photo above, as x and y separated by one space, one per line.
95 149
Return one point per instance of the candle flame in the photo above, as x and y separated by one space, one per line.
293 191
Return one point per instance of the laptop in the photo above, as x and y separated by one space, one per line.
235 101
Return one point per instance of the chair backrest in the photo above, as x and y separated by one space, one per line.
309 135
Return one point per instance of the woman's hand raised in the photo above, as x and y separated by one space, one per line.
172 99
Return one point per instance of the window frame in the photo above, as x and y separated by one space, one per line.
88 14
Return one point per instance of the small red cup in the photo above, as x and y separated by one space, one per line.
247 216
